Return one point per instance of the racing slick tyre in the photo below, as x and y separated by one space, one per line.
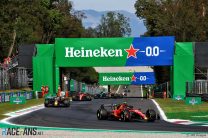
46 104
125 116
75 98
102 114
90 99
151 115
87 98
66 103
95 97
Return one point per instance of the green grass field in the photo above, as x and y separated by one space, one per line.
8 107
179 110
16 90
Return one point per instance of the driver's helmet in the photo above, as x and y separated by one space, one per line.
125 103
115 106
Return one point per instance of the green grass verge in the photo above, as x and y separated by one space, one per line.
16 90
8 107
179 110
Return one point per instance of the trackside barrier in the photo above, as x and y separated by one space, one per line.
197 88
162 91
11 78
0 98
5 96
75 86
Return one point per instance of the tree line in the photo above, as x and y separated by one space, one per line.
41 21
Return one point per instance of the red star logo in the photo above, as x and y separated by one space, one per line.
133 78
131 52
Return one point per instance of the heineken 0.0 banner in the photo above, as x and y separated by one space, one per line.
100 52
193 100
135 78
178 97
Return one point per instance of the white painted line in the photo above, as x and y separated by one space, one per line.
20 113
141 91
25 111
162 113
118 89
175 121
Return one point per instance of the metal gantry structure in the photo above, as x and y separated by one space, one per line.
12 77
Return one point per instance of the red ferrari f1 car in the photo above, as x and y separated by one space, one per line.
81 97
125 112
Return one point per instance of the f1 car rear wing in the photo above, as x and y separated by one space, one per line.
113 105
106 105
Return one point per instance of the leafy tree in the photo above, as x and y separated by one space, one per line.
186 20
83 74
15 19
111 25
90 32
38 21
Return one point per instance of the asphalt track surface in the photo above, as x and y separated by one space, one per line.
83 115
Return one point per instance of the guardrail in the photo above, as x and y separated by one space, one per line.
197 88
13 78
76 86
160 89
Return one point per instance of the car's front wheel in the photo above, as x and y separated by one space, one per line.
125 116
67 103
151 115
102 114
45 104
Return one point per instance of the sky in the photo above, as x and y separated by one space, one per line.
104 5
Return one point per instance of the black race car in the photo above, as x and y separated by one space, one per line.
55 101
101 95
116 95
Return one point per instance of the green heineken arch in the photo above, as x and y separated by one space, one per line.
103 52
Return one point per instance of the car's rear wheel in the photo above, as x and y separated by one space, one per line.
75 98
102 114
151 115
125 116
89 98
45 104
66 103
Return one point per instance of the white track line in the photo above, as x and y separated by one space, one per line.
118 89
175 121
20 113
162 113
141 91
